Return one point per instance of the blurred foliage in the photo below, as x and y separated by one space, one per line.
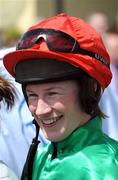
11 36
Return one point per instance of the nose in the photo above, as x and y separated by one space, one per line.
42 108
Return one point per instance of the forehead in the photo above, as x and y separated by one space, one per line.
62 85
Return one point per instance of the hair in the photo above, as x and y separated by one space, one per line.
89 95
89 92
7 92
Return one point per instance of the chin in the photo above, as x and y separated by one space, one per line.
53 138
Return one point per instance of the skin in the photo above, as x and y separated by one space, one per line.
56 109
112 45
99 21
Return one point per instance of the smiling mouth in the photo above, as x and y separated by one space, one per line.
51 121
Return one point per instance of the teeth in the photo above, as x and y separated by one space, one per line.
50 121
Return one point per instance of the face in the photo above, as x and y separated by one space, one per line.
99 22
112 44
56 109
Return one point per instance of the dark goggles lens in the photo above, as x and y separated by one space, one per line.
56 41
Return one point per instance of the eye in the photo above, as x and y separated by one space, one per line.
52 93
32 96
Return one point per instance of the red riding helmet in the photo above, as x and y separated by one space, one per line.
58 47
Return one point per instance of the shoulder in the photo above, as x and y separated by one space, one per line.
112 146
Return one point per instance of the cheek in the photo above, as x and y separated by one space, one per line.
32 105
31 108
65 104
60 105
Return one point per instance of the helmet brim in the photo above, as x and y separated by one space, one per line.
86 63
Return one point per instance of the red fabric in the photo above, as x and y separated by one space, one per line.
88 39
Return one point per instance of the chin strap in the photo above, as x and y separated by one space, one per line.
28 167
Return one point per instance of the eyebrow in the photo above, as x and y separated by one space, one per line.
52 88
47 89
28 90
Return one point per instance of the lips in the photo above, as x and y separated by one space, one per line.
52 120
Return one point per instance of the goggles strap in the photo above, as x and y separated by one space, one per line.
94 55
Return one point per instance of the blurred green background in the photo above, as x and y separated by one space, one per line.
17 15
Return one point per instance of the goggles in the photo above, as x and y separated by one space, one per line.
56 41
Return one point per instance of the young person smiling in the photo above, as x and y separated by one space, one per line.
63 67
56 108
